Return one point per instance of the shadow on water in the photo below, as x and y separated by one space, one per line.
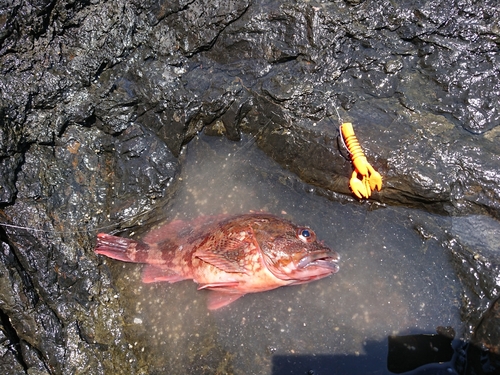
433 355
326 364
345 364
421 354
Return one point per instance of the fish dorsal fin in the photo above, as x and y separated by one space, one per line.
166 232
228 254
179 230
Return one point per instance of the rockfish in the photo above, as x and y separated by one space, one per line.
229 255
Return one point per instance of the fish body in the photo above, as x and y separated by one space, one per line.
229 255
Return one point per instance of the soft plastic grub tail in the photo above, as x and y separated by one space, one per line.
365 178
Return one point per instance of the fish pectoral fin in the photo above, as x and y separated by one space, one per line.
221 260
152 274
216 300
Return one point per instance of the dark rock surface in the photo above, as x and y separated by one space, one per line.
98 98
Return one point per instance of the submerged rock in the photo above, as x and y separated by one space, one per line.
476 252
98 99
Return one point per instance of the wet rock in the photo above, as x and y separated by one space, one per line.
476 250
366 60
484 352
63 311
386 66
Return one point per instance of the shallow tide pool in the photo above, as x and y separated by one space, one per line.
395 278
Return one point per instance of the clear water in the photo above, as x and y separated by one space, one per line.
395 278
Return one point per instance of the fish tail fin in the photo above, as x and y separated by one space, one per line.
124 249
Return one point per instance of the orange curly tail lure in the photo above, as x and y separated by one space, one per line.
364 179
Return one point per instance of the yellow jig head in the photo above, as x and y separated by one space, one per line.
364 179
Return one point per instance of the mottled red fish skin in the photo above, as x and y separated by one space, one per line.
229 254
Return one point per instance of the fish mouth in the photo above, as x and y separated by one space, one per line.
323 260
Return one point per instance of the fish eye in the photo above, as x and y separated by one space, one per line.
306 235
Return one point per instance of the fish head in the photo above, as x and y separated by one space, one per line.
294 254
